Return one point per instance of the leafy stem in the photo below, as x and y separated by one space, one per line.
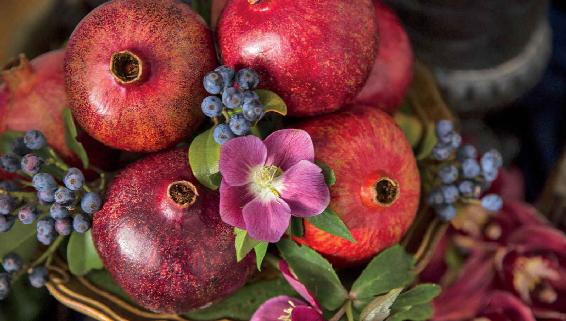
47 257
341 312
56 160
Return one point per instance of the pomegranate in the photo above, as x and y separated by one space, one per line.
316 54
161 237
377 182
133 73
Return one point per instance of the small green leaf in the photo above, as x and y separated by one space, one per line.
329 176
422 293
272 102
17 238
71 137
81 254
6 139
330 222
296 228
260 251
414 313
203 8
380 307
389 270
411 126
244 243
204 158
315 272
428 142
242 304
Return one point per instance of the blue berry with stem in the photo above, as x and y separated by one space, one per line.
64 226
470 168
38 276
469 189
232 98
239 125
467 151
446 212
64 196
492 202
250 96
213 83
212 106
7 204
448 174
4 285
46 197
34 140
247 79
12 263
222 133
9 186
6 222
253 110
9 163
31 164
28 214
19 147
450 193
81 223
44 182
91 202
442 152
444 128
58 211
74 179
227 74
46 230
435 198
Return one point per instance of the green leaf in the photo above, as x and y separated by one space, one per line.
260 251
6 139
81 254
71 137
329 176
411 126
414 313
428 142
204 158
203 8
389 270
380 307
244 243
20 239
242 304
330 222
297 228
315 272
422 293
272 102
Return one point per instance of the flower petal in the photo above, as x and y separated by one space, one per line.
287 147
238 156
267 220
305 313
304 189
297 285
232 201
274 308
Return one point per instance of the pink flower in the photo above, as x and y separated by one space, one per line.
286 308
265 183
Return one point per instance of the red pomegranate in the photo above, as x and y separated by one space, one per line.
160 235
315 54
393 69
377 182
134 70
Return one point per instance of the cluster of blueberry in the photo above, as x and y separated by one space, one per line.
232 97
13 264
462 178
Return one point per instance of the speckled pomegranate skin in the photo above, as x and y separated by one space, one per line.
316 54
167 258
361 146
160 110
393 69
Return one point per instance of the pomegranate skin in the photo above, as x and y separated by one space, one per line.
393 69
363 146
316 55
168 258
160 105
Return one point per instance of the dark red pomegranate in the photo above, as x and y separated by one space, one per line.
316 54
161 237
393 69
134 70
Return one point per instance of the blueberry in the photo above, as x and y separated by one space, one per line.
64 196
222 133
213 83
64 226
442 152
91 203
38 276
491 160
34 140
450 193
28 214
31 164
455 140
490 175
492 202
232 97
81 223
9 163
444 128
212 106
12 263
6 222
250 96
467 151
74 179
448 174
46 197
446 212
9 186
435 198
227 74
44 182
470 168
239 125
46 230
469 189
4 285
58 211
247 79
19 147
252 110
7 204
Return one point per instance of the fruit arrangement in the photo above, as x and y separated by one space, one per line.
231 209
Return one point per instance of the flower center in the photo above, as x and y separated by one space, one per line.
287 312
264 181
529 273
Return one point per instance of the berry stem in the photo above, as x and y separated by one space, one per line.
340 313
46 256
56 160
